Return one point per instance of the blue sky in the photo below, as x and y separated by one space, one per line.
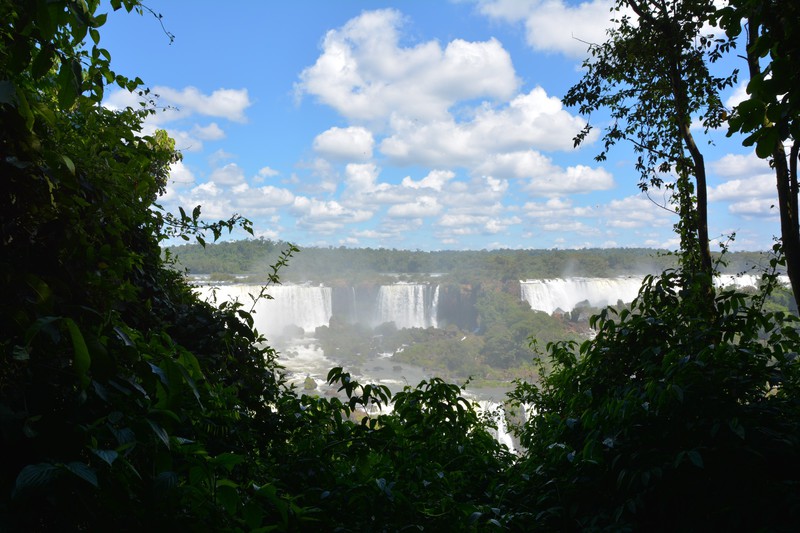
408 124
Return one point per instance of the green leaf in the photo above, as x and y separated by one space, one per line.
69 163
160 432
43 62
67 85
227 460
83 471
21 353
695 458
166 480
35 476
109 456
82 360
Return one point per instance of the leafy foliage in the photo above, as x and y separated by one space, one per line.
667 420
769 115
124 397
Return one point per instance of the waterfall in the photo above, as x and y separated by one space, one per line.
408 305
497 413
549 295
434 308
305 306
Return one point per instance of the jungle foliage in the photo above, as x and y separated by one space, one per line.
128 404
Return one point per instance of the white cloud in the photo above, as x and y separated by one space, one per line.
353 143
367 75
267 172
230 174
325 217
247 198
229 104
738 166
478 195
576 179
637 212
436 180
469 224
556 208
522 164
208 188
755 207
224 103
555 25
571 227
759 186
424 206
532 120
180 173
180 177
184 141
738 96
211 132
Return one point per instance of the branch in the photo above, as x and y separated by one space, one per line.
667 209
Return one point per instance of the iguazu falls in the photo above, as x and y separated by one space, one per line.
457 321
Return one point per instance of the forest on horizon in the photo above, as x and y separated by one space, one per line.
250 258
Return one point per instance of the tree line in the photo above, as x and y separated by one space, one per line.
250 258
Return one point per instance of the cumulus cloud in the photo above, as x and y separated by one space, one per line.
179 173
435 180
224 103
532 120
255 199
755 207
180 177
737 166
267 172
469 224
575 179
638 211
230 174
349 144
229 104
759 186
555 25
367 75
211 132
325 216
522 164
424 206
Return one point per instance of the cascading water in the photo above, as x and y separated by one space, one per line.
549 295
304 306
408 305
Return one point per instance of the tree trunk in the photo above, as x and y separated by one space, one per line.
786 176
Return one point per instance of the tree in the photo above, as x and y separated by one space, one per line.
770 116
673 418
652 75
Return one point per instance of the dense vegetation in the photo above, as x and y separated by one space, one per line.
252 257
128 404
499 349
